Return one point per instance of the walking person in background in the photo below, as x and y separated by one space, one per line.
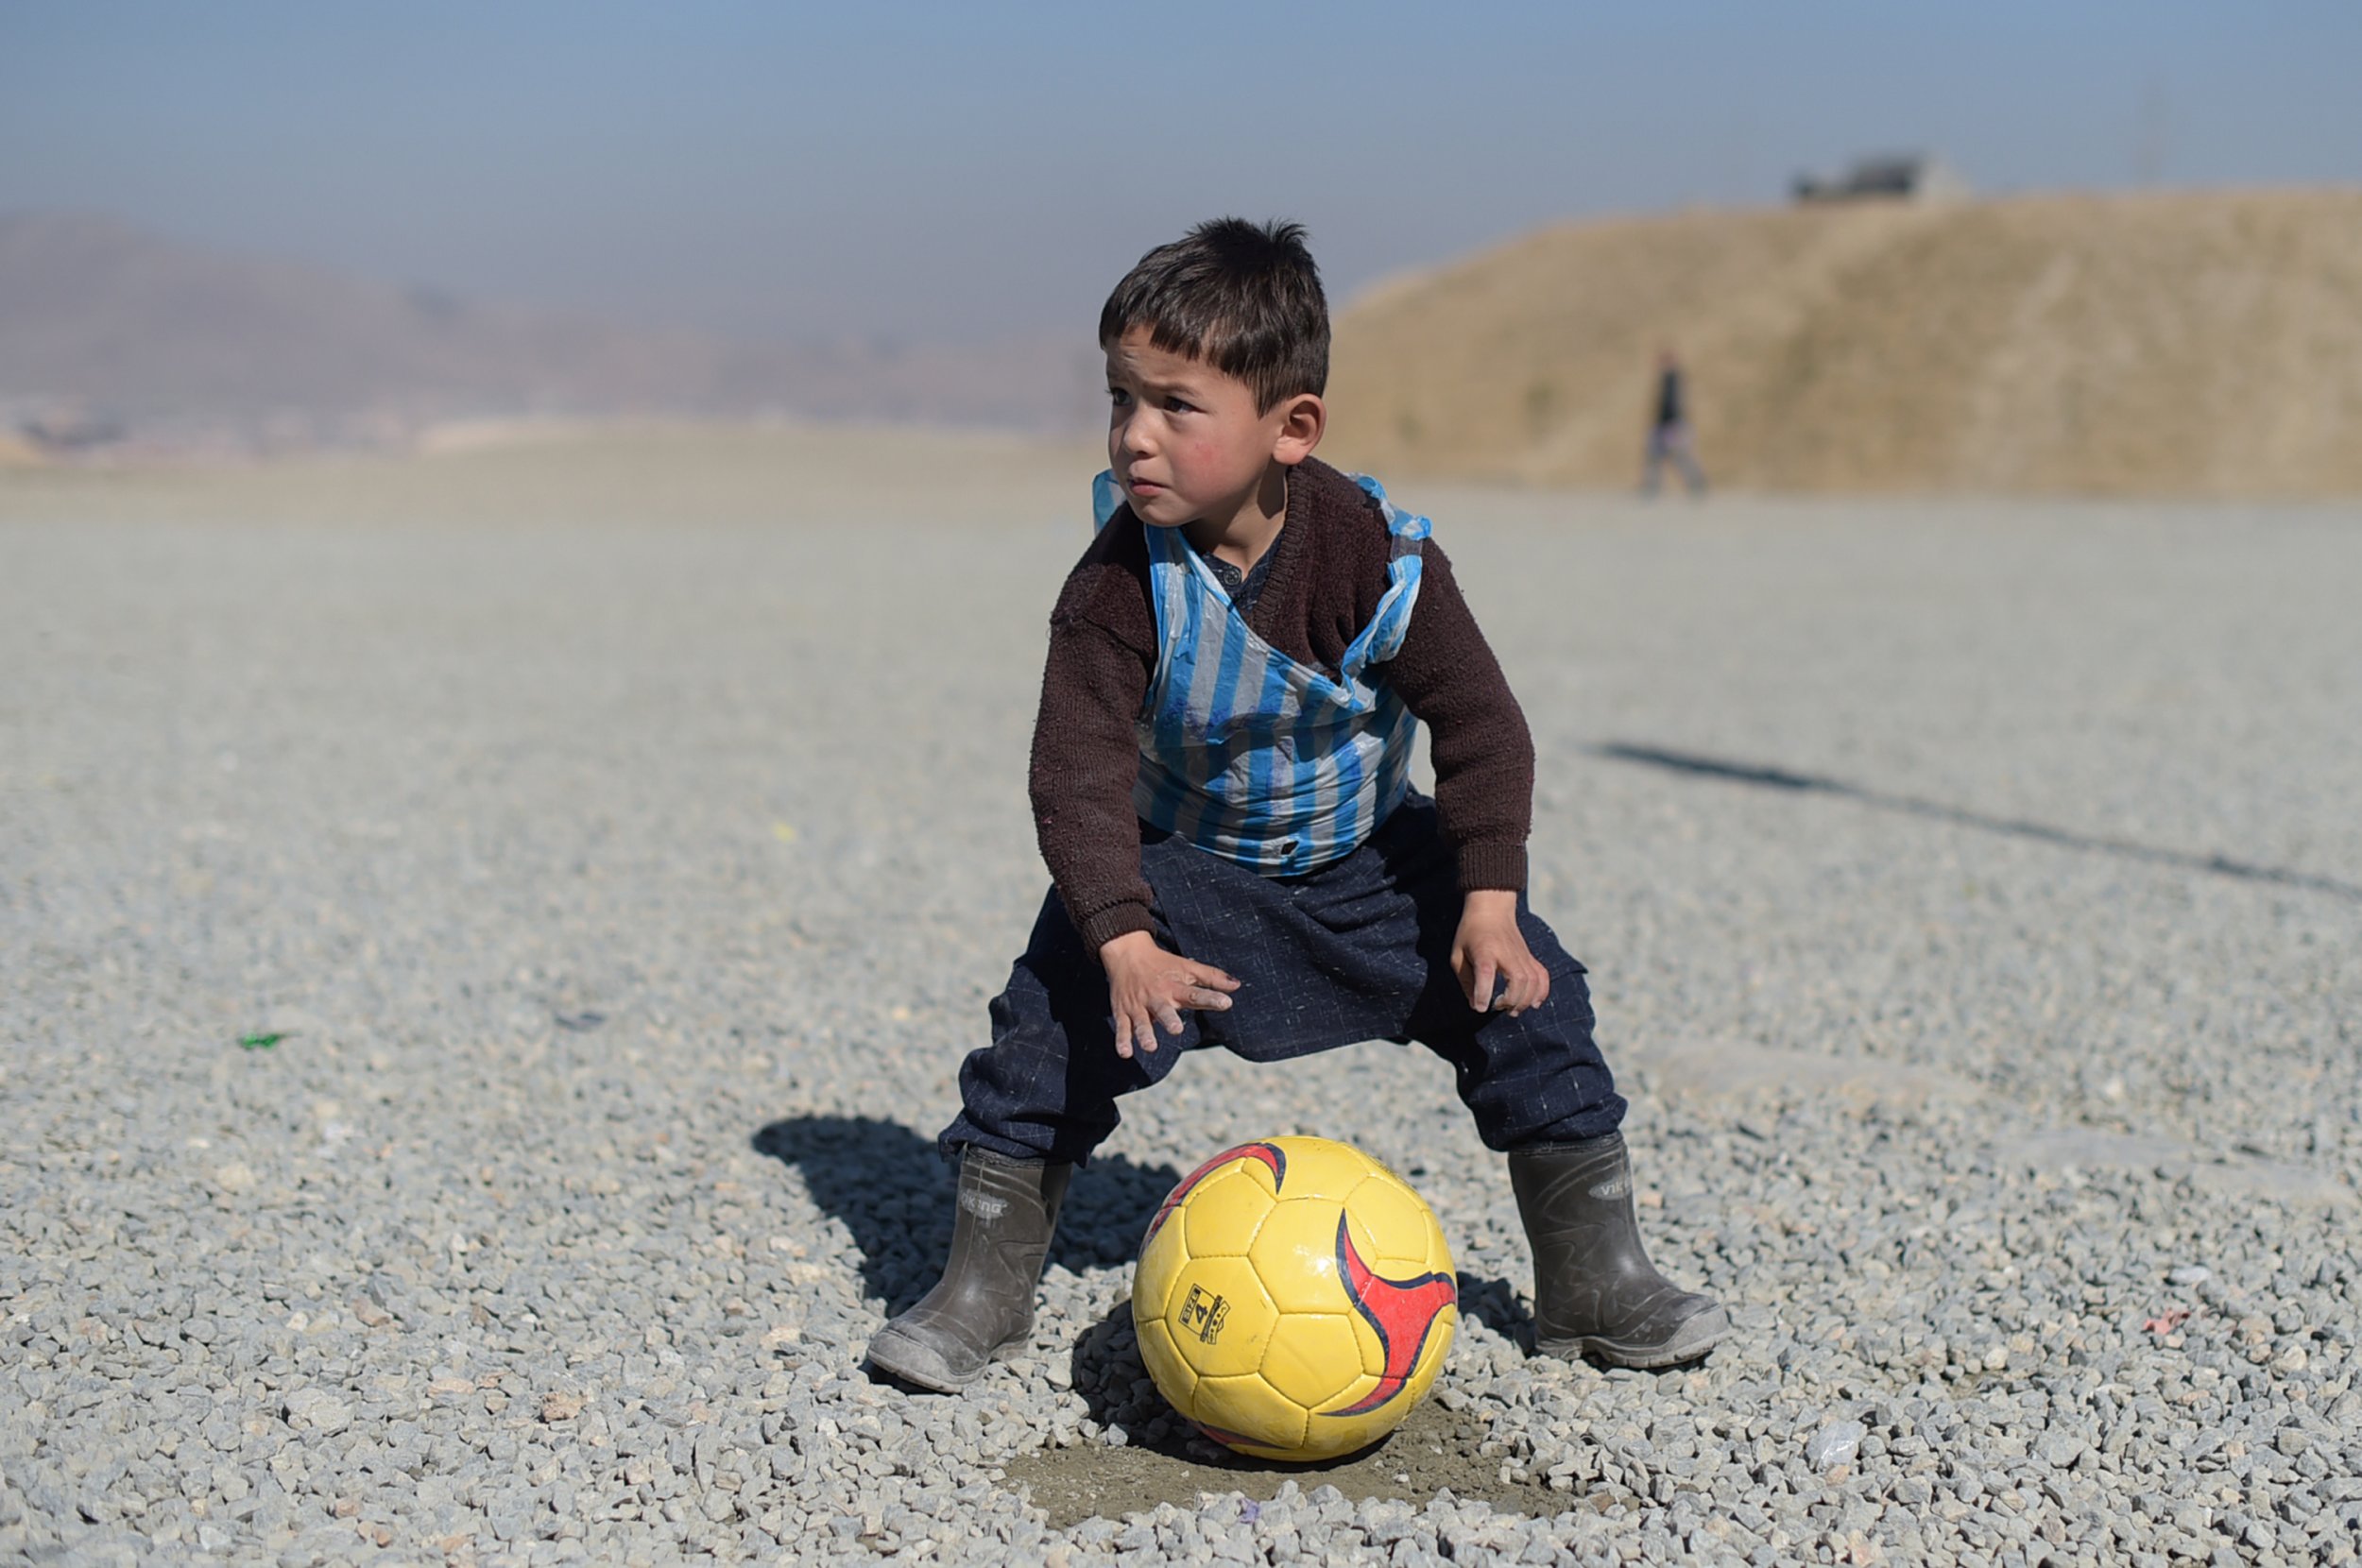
1669 435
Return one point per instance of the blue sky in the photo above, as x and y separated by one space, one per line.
940 171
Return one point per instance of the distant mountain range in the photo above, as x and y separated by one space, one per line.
2166 344
109 334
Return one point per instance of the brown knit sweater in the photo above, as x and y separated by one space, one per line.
1327 573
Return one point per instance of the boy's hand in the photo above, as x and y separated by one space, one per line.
1490 944
1147 986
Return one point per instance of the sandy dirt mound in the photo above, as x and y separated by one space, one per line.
2190 344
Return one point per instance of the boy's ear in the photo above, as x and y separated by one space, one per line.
1302 418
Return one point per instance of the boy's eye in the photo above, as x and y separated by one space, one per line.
1176 405
1118 395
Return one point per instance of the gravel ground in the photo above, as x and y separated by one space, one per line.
1973 895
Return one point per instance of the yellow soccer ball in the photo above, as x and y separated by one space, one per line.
1295 1299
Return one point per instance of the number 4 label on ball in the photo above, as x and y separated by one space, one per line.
1203 1313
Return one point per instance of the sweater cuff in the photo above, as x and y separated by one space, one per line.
1106 925
1485 866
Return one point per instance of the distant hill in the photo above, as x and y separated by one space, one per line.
141 335
2200 344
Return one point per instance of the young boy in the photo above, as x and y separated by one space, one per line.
1221 787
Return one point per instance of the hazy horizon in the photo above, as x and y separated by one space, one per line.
935 174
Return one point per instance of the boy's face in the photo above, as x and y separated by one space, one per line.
1186 441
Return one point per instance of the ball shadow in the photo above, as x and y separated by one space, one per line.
1106 1370
1495 1304
1107 1373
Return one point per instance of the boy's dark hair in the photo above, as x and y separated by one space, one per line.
1242 297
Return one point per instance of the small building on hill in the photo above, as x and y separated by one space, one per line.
1917 177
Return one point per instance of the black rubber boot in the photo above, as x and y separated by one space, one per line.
985 1302
1594 1292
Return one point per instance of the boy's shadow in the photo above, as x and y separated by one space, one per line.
894 1192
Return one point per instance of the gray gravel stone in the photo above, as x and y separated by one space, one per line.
315 1412
624 897
1835 1444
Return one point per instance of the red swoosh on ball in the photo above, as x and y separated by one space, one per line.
1269 1153
1402 1311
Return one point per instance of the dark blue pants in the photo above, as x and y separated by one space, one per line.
1359 949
